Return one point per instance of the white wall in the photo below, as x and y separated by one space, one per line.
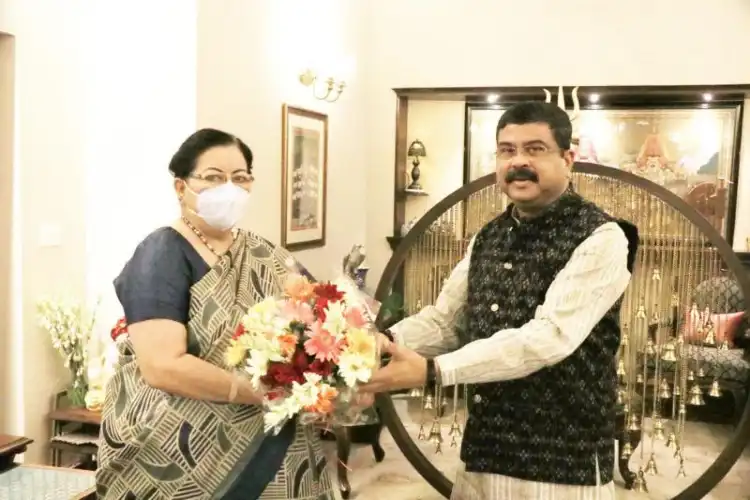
101 106
250 56
505 43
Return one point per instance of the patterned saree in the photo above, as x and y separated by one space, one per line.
159 446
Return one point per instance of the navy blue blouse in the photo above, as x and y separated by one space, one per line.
156 281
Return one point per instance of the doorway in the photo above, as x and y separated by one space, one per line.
7 103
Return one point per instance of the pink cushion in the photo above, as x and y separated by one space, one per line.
725 326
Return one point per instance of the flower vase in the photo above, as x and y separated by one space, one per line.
77 394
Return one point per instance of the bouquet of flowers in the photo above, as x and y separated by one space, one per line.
307 351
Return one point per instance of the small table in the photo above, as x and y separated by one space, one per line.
50 483
10 446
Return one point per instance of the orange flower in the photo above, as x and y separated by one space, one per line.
324 404
298 288
288 343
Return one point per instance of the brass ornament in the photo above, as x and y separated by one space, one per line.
715 391
639 485
696 396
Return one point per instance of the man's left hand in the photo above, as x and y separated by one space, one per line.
406 370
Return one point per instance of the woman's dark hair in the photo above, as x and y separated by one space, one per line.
184 160
539 112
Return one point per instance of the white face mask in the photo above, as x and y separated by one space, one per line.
221 206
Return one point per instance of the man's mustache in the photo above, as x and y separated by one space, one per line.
521 174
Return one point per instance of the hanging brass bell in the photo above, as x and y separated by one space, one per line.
641 312
664 389
454 441
428 403
627 450
455 429
651 468
625 340
421 436
710 336
691 375
676 391
620 397
639 378
701 373
724 346
671 440
658 429
656 274
650 350
633 423
681 472
621 368
668 352
715 391
696 396
639 484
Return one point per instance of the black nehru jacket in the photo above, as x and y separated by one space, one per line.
552 425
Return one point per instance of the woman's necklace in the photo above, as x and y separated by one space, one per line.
203 239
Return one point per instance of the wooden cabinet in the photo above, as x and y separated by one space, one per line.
75 434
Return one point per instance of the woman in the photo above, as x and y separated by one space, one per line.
175 423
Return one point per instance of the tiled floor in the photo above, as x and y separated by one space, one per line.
396 478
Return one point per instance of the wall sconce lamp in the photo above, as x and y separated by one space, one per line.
416 151
329 91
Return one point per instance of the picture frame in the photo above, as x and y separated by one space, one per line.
304 172
690 149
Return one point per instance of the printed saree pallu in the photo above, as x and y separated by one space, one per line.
161 446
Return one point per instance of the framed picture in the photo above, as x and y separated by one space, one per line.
304 168
690 150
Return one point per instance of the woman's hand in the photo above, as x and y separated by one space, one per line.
160 347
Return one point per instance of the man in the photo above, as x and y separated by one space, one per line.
540 288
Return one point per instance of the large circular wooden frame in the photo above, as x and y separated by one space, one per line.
721 466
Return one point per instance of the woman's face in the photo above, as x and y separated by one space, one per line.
214 168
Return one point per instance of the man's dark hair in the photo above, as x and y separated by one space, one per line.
539 112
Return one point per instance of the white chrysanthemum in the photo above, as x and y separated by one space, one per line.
257 366
262 317
355 368
278 412
335 322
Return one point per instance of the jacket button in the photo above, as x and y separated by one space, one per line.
508 265
494 307
477 398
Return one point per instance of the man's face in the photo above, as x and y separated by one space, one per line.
531 169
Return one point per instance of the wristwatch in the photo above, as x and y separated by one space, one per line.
431 379
389 334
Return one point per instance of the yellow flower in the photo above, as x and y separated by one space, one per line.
236 354
361 343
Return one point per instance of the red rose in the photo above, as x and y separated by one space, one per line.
328 291
322 368
281 374
239 331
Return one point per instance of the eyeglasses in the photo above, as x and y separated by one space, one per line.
530 150
217 179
